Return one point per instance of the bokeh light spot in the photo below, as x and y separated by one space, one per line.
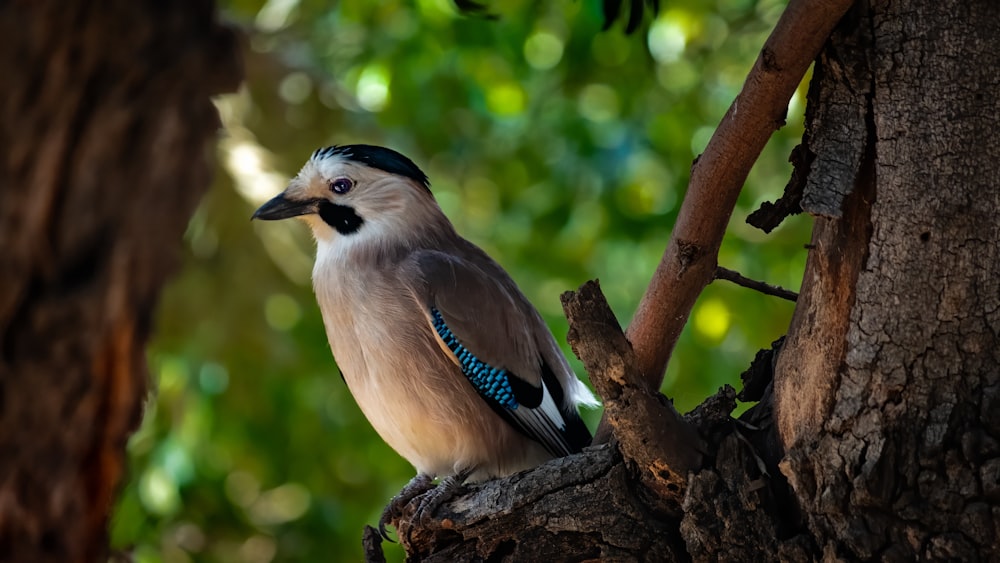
281 504
275 15
189 537
158 492
258 549
213 378
543 50
245 161
506 99
373 88
678 77
649 188
598 103
666 40
295 87
712 319
175 461
173 374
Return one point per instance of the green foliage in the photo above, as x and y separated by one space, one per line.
561 150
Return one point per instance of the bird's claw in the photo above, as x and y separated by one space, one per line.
386 517
434 498
417 486
430 499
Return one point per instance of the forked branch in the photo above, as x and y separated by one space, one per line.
689 262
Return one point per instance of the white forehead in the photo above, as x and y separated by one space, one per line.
326 167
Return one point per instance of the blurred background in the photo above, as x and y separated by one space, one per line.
562 150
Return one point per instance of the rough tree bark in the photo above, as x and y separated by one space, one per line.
879 434
106 129
896 455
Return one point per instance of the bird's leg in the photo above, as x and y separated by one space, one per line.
429 502
433 499
416 487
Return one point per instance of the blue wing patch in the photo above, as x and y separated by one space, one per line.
491 382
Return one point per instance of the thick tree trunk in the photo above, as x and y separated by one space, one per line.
886 392
897 455
105 131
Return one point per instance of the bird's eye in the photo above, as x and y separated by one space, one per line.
341 185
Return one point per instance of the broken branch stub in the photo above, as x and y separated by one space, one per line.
650 432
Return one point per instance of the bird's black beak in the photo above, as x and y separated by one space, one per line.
280 207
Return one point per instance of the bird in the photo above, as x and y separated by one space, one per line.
445 356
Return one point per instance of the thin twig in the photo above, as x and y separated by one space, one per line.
767 289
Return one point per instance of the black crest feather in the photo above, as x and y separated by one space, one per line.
376 157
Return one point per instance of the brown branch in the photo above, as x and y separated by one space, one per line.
650 432
767 289
689 262
585 507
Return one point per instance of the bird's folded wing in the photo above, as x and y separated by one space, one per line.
488 327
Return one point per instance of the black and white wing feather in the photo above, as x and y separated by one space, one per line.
501 345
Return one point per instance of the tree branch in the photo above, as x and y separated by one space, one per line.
650 432
767 289
578 508
689 262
